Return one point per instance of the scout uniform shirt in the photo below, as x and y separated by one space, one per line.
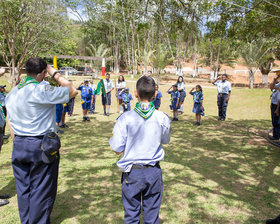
2 99
31 106
275 94
86 92
108 84
140 133
223 87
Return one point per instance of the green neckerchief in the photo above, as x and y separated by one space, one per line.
195 95
145 110
26 80
1 108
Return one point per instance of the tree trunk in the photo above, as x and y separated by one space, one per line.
251 79
158 79
218 60
265 68
195 56
211 62
265 79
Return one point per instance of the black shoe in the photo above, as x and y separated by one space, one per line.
195 124
4 202
4 196
198 123
219 118
5 136
274 221
59 131
174 119
64 126
272 138
88 119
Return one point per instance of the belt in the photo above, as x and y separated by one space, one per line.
222 94
24 136
140 166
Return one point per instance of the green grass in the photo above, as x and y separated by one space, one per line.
220 172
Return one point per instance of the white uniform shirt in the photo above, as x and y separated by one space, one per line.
140 139
93 86
181 85
108 84
31 109
223 87
275 97
120 85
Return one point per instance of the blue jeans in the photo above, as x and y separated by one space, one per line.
144 183
36 182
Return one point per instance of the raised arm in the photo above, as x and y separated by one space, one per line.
62 81
218 78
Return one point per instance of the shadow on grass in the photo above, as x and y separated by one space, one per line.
220 172
225 164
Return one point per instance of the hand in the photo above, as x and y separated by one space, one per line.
201 108
277 113
227 99
50 70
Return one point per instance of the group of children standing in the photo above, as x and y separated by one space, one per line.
124 98
178 96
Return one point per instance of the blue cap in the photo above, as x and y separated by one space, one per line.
175 85
86 80
3 86
50 146
126 89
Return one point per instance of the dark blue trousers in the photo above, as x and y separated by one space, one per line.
222 105
36 182
142 184
92 106
275 121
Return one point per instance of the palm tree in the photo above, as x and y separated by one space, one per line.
147 56
100 51
161 59
253 53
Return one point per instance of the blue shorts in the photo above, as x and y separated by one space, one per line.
86 104
66 109
59 109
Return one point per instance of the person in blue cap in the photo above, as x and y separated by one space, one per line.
157 99
2 101
198 103
224 91
139 135
126 98
31 113
175 99
86 98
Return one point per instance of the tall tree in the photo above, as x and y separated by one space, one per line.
28 28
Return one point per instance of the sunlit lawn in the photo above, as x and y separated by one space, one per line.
220 172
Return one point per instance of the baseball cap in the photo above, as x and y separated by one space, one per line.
175 85
50 146
126 88
86 80
3 86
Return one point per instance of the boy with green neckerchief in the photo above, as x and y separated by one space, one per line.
139 135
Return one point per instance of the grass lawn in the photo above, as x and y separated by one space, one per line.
220 172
